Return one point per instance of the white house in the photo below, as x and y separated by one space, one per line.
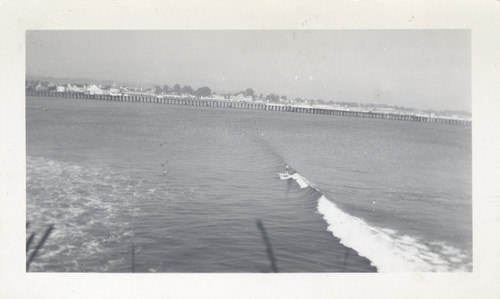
138 93
214 97
94 89
115 92
76 88
241 98
39 87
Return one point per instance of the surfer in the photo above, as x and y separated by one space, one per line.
286 170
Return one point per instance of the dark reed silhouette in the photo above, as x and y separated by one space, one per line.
38 247
269 248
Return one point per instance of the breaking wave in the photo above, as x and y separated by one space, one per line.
387 250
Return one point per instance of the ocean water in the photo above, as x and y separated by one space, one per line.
165 188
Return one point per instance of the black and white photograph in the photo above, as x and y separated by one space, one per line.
236 149
248 151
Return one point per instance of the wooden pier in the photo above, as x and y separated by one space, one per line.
248 105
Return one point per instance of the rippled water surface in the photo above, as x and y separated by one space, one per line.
165 188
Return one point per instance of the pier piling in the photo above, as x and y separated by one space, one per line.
169 100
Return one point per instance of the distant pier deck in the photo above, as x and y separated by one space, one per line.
250 106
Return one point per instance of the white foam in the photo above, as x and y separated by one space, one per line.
284 176
81 203
386 250
302 181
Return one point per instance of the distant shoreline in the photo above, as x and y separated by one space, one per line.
196 101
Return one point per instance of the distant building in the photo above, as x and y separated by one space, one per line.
114 92
386 110
75 88
39 87
138 93
214 97
111 92
241 98
94 90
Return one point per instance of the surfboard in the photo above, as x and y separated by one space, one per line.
284 176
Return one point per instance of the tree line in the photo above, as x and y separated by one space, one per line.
206 91
186 89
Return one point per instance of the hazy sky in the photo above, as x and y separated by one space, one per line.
414 68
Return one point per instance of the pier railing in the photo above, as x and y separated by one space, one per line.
249 106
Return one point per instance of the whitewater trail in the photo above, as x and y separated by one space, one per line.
386 249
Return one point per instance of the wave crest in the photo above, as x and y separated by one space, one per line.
386 249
